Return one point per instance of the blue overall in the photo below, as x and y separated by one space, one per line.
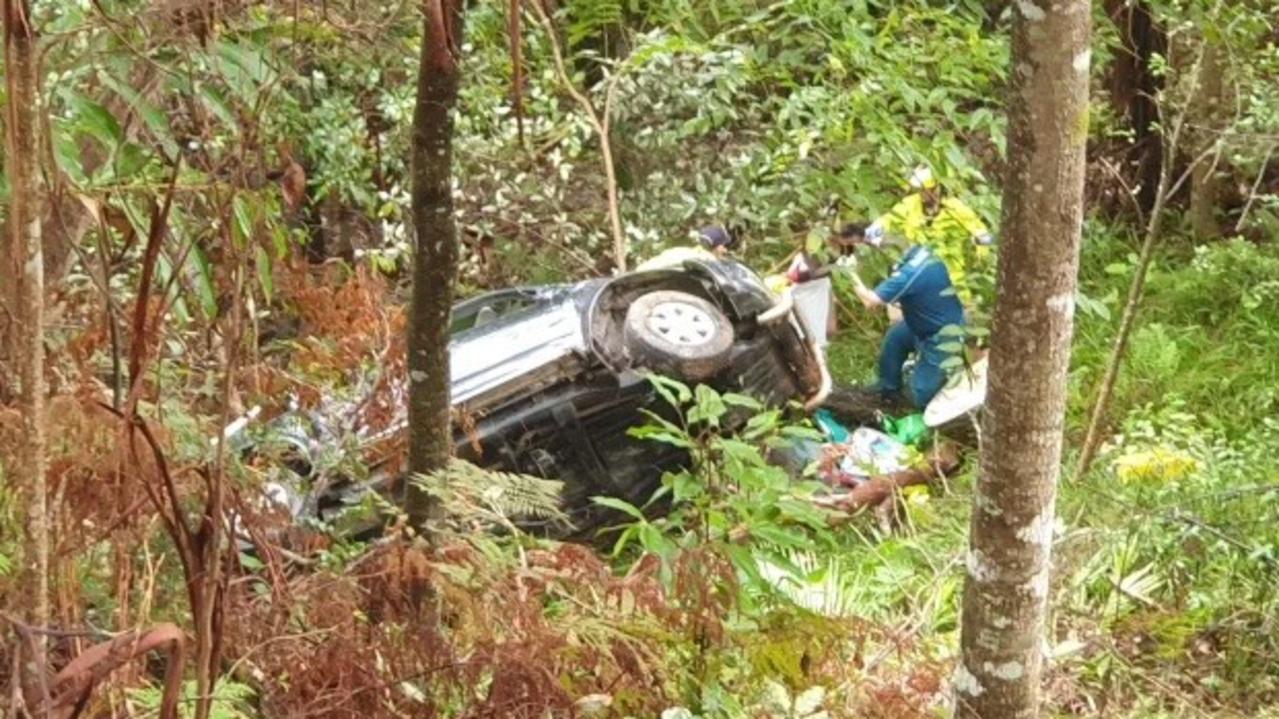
921 285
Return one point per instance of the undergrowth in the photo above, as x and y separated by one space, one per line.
1166 552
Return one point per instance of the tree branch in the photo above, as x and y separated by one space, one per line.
601 126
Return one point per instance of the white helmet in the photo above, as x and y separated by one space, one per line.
922 178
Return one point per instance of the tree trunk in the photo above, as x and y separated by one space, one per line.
435 251
1006 592
1205 187
24 268
1134 85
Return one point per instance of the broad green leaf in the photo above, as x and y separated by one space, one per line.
67 153
685 487
709 406
746 563
740 400
243 221
779 536
620 505
668 434
203 281
802 512
1092 307
247 59
675 393
98 122
661 492
624 539
238 80
797 432
653 540
264 274
280 238
128 162
155 120
762 424
217 104
741 453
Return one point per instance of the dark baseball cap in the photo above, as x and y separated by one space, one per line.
715 236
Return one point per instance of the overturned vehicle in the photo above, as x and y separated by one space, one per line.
548 380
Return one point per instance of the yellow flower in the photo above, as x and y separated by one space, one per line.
1158 463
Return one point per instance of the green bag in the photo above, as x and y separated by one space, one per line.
907 430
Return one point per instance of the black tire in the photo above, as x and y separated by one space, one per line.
678 334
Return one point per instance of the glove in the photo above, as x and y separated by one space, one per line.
875 234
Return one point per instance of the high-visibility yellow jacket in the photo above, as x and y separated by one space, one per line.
955 234
675 257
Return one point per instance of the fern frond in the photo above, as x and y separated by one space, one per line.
823 586
469 493
587 18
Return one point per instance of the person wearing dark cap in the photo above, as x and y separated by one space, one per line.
714 243
717 240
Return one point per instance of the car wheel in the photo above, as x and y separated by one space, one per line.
678 334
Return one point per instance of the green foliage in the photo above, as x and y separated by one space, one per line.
1194 572
730 498
231 700
806 106
10 522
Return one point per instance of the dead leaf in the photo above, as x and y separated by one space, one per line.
293 185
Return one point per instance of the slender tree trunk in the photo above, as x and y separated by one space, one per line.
1205 187
435 251
24 267
1006 593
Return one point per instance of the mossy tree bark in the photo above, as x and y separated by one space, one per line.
24 273
435 251
1006 592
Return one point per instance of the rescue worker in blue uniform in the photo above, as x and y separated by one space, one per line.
921 286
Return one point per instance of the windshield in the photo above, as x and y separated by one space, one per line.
502 307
